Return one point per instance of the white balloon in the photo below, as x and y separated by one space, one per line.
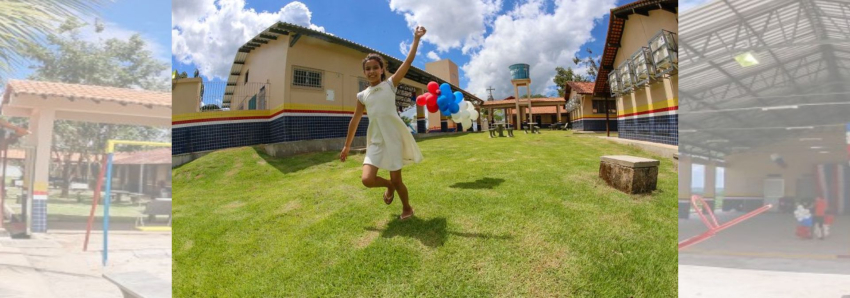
456 117
463 115
463 105
466 124
470 107
473 115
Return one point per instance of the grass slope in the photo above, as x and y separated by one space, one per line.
524 216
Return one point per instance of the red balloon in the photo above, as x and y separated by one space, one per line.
433 109
433 87
420 100
430 99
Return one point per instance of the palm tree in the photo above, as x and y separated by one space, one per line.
25 22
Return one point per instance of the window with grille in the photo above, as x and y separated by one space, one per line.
599 107
307 78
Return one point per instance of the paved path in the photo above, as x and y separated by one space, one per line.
54 265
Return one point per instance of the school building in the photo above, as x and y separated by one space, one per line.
587 112
291 83
639 69
767 123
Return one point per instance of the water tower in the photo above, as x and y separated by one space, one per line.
519 78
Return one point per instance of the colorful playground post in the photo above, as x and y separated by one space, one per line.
110 149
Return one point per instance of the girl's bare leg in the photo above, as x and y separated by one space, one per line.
370 179
395 178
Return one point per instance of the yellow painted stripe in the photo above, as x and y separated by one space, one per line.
259 113
660 104
219 114
154 229
40 186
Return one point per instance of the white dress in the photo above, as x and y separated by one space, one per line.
389 143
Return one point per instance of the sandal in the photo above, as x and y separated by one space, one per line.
403 217
390 199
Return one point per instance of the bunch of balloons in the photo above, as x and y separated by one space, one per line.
440 98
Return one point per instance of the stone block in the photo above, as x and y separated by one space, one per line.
629 174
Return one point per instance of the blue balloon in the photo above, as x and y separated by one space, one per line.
454 107
442 102
445 89
458 97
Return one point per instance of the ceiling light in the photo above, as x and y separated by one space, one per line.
686 130
779 108
717 141
799 127
824 152
746 59
817 147
810 139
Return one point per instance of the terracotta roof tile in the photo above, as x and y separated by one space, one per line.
533 100
580 87
150 157
120 95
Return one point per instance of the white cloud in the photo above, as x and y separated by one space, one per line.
527 34
433 56
403 47
208 34
450 23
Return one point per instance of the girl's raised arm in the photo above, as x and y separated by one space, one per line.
402 70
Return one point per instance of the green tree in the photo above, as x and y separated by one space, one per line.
112 62
562 76
25 23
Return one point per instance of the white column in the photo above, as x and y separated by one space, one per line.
42 125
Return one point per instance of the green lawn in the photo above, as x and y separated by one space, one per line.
59 208
523 216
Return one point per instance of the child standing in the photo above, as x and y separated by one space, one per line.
389 144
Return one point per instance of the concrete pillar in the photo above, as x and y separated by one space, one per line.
41 123
528 96
519 112
684 186
651 115
672 101
558 112
141 178
710 177
685 173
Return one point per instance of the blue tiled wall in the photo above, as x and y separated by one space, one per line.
594 125
39 216
284 129
659 129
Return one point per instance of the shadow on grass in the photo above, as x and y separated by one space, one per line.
298 162
431 233
483 183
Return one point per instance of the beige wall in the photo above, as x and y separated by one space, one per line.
444 69
264 65
341 69
745 172
185 95
637 32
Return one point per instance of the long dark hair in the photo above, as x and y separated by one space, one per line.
380 60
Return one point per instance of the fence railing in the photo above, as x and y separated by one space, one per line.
242 96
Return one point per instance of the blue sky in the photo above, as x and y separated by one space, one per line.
383 25
124 18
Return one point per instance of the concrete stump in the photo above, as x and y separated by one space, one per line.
629 174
